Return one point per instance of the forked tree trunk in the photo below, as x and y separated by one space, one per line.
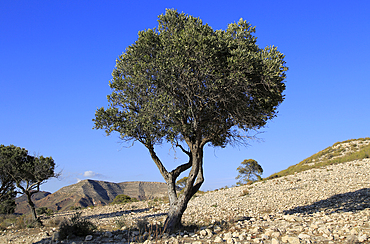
179 204
33 209
174 216
195 179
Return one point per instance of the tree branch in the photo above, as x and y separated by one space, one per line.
186 152
158 162
181 168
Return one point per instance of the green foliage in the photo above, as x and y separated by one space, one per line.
185 81
328 156
181 182
76 225
7 203
44 210
187 84
7 183
27 172
120 199
250 170
75 208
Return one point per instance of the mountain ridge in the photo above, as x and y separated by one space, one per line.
91 193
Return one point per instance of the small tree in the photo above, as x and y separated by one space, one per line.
189 85
250 170
182 182
28 172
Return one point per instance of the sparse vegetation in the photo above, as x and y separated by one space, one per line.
76 225
121 222
122 198
75 208
44 210
331 155
142 225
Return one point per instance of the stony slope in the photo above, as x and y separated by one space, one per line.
328 204
339 152
324 205
92 193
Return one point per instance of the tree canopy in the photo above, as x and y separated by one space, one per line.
26 172
249 170
190 85
7 184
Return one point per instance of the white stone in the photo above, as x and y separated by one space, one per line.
218 239
362 238
304 236
275 241
88 238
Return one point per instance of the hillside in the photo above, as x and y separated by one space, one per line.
92 193
328 203
339 152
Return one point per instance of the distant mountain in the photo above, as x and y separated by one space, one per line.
90 192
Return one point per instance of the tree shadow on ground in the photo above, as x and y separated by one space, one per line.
346 202
118 213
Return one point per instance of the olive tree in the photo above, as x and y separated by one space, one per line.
187 84
27 172
250 170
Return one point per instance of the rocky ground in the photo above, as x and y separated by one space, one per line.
327 205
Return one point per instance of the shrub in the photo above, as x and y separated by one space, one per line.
44 210
7 206
75 208
119 199
121 222
6 220
54 222
76 225
24 221
142 225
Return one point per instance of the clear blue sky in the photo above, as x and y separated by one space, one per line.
56 59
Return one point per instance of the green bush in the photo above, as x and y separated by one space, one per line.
123 199
7 206
75 208
44 210
76 225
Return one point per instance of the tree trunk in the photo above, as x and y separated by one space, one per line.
194 181
33 209
179 204
173 220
